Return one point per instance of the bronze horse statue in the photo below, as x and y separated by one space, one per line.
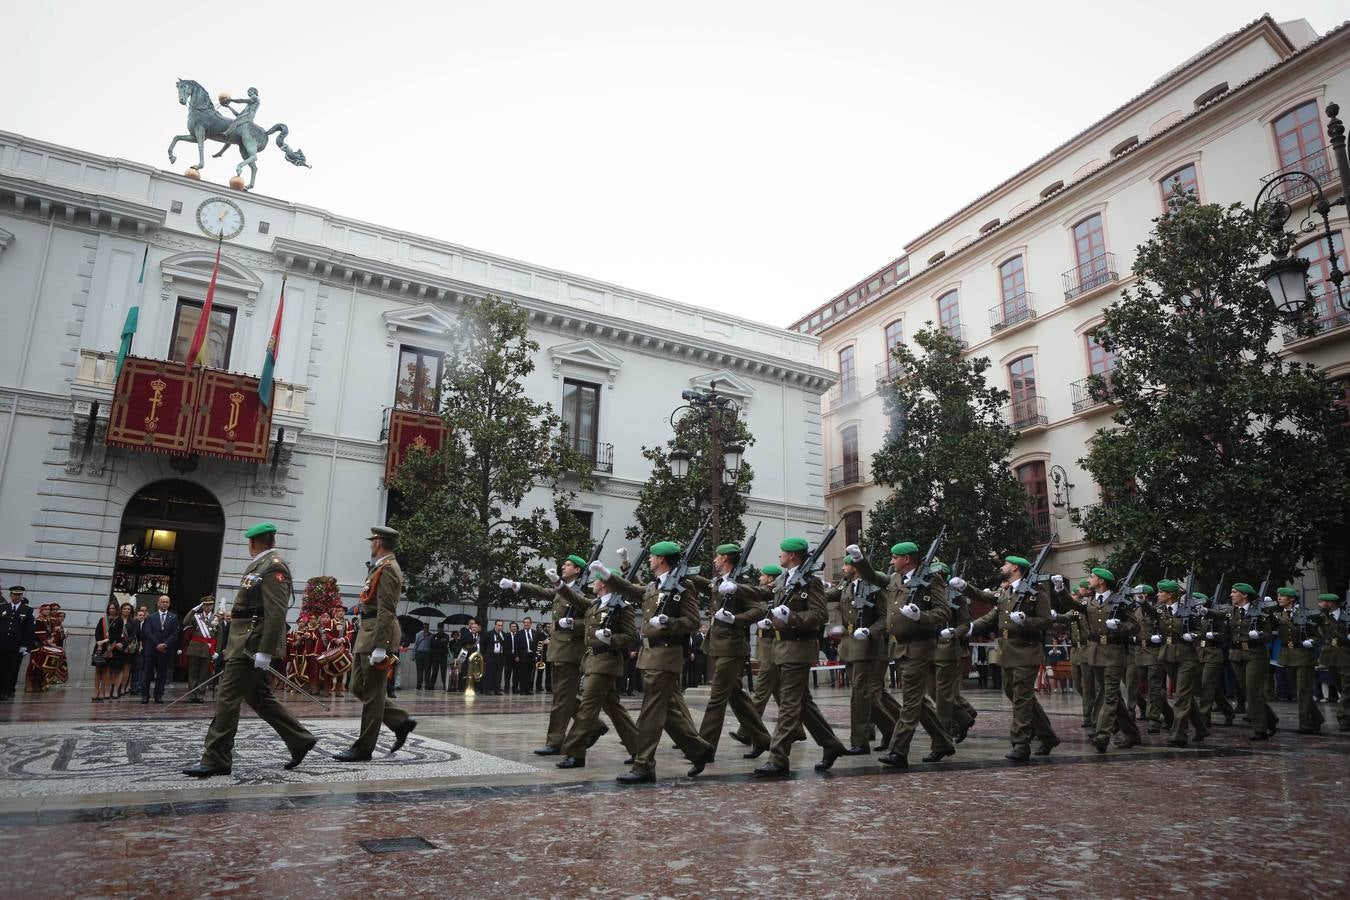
205 123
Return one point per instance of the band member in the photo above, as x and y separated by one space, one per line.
567 644
199 644
1177 636
257 635
1298 654
863 644
1248 630
1335 631
376 641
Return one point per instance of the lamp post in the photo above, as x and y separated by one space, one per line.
719 414
1286 276
1062 488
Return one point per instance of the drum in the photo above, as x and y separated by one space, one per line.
335 660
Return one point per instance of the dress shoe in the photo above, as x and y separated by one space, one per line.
1155 729
740 738
1044 748
893 761
1262 736
939 755
1127 743
1176 742
298 757
1020 754
629 761
401 734
571 762
754 753
1087 725
831 754
1200 736
202 770
1228 718
547 750
855 750
770 770
1100 742
599 733
351 754
635 777
960 735
798 735
699 765
159 700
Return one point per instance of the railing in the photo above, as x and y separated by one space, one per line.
843 476
1317 164
600 456
1040 525
1011 312
1090 275
1026 413
1337 319
98 368
957 332
841 393
887 372
1081 392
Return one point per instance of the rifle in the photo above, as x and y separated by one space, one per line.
1028 584
1186 605
1118 597
1255 607
635 567
744 562
809 566
921 577
678 574
597 547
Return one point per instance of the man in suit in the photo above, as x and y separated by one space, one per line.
496 649
159 644
513 669
525 649
17 625
440 656
257 635
376 642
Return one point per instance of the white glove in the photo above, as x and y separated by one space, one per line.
1053 615
1057 581
765 624
727 587
862 634
947 633
566 623
1266 601
1112 624
1254 635
262 661
507 584
854 552
1155 639
551 575
623 554
1307 644
379 655
599 570
1018 617
23 650
723 616
781 612
1209 635
957 582
1188 637
658 621
602 635
910 611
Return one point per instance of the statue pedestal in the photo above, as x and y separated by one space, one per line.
237 183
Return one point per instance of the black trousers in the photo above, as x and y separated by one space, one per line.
158 667
9 671
525 675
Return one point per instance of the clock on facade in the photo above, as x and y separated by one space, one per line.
220 217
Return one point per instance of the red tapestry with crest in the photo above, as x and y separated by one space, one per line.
410 432
153 406
231 419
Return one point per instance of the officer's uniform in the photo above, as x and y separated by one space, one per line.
1109 660
1180 658
566 647
200 629
1300 661
17 633
728 646
1209 653
1086 677
859 604
1251 659
955 713
378 630
1146 669
603 666
1336 653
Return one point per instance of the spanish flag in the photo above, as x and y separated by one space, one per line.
197 351
270 357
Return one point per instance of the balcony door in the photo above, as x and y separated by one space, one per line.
1022 386
1089 245
1013 284
581 416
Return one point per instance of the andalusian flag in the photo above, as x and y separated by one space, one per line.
270 357
197 351
129 326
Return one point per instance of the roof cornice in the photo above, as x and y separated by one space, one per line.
98 211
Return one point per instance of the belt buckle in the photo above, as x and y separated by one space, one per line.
1103 640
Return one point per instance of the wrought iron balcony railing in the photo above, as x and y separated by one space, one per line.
1317 164
845 475
1081 394
1028 412
600 456
844 392
1323 323
1098 271
1012 311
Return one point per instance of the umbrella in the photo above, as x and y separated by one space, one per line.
457 619
425 611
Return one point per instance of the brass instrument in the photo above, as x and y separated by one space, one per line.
539 662
475 669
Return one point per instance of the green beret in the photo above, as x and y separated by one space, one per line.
1328 598
260 529
772 569
1170 585
1245 588
576 561
940 566
1198 595
1018 561
1143 589
1104 574
1287 592
904 548
666 548
1084 583
726 549
794 545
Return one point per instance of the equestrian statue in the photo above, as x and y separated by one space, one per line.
206 123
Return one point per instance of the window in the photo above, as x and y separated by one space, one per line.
1025 409
895 336
848 372
852 528
1320 287
1032 477
1089 245
585 518
419 380
1100 360
581 415
219 333
1213 93
1012 278
849 442
1183 180
1298 134
949 314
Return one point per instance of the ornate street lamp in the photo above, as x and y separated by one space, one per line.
1285 277
679 463
719 414
1060 504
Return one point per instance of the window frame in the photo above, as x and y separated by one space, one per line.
1324 302
199 305
890 345
1298 132
1016 303
1165 182
421 352
848 381
577 441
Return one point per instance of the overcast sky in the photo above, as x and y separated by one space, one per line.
757 157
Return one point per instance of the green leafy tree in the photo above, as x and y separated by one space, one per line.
1224 453
945 460
672 509
460 517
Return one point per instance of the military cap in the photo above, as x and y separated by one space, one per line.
1245 588
576 560
666 548
1084 583
904 548
794 545
1200 595
1287 592
1143 589
1328 598
386 536
772 569
1018 561
260 529
1171 585
724 549
940 566
1104 574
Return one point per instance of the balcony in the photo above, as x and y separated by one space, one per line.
1338 318
1097 272
957 332
844 392
1318 164
887 372
1081 392
1041 529
1011 312
97 369
1026 414
843 476
599 456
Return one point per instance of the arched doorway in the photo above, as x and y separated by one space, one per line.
169 543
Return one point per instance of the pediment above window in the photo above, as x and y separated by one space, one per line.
424 320
194 268
587 354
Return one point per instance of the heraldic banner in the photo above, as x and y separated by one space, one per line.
410 431
153 406
231 419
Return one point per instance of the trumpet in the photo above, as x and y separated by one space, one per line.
539 662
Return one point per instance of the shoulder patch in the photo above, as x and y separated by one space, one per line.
279 576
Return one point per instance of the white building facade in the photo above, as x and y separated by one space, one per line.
368 313
1023 273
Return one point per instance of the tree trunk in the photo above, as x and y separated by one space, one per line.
483 597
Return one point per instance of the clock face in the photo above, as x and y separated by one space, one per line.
220 217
